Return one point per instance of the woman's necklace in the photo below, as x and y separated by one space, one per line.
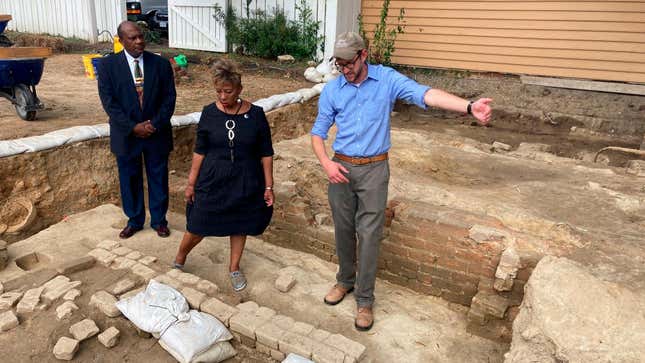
230 126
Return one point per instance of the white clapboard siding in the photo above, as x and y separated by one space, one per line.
191 25
81 19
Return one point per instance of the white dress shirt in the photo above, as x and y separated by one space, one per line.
131 64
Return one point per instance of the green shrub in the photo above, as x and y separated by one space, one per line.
270 35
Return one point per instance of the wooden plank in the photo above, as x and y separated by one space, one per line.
522 69
528 34
26 52
512 5
612 87
4 17
523 51
518 15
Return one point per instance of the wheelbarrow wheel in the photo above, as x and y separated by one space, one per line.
24 98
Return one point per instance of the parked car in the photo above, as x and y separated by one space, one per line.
153 12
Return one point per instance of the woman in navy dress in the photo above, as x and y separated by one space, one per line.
230 185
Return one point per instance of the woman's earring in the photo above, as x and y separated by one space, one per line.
239 100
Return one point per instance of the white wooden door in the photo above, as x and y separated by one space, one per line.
191 25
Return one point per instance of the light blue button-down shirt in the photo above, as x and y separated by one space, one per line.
362 113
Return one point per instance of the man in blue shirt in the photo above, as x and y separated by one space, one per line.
359 103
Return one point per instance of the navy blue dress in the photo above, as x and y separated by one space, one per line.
229 194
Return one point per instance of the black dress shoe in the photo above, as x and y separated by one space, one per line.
162 231
128 232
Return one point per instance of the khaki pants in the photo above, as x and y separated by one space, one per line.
358 210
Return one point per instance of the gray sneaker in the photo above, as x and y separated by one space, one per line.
238 280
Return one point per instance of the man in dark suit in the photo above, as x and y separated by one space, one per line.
137 90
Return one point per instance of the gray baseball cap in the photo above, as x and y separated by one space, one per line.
347 45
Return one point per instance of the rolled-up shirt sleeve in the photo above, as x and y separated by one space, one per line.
326 114
408 89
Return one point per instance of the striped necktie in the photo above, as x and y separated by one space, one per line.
138 81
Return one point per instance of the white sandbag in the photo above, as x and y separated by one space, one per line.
307 94
295 358
78 133
12 147
330 76
42 142
189 119
188 338
319 87
156 308
312 75
216 353
324 67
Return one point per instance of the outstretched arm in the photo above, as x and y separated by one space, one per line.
480 109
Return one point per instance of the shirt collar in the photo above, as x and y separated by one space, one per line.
372 72
131 58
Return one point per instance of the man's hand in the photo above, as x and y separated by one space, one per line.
143 129
268 197
335 172
481 110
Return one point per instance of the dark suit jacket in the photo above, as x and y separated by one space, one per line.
120 101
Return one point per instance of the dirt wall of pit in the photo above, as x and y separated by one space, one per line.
74 178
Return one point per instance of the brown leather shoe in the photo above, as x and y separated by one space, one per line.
128 232
337 294
364 318
163 231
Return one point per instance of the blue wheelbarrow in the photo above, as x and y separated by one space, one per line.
20 72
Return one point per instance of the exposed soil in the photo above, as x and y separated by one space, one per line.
71 99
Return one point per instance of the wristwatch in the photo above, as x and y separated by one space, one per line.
469 108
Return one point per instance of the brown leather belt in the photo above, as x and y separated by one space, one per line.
359 160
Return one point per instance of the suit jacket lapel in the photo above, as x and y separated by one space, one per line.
149 65
125 69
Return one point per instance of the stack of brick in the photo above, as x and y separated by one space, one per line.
427 248
112 254
277 335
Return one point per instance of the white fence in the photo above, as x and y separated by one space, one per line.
81 19
191 25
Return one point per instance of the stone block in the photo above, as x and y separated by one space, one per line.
134 255
483 234
65 310
218 309
1 288
147 260
506 271
57 287
350 347
76 264
323 219
319 335
30 279
123 286
65 348
322 353
195 298
207 287
278 355
8 321
29 301
167 280
500 146
143 271
72 294
245 323
122 263
8 299
174 273
302 328
106 303
636 167
109 337
108 245
285 282
187 278
284 322
102 256
269 334
131 293
248 307
262 348
121 251
295 343
491 304
84 329
286 58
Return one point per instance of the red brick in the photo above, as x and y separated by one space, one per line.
425 288
423 257
425 278
452 264
407 229
397 279
456 298
395 248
